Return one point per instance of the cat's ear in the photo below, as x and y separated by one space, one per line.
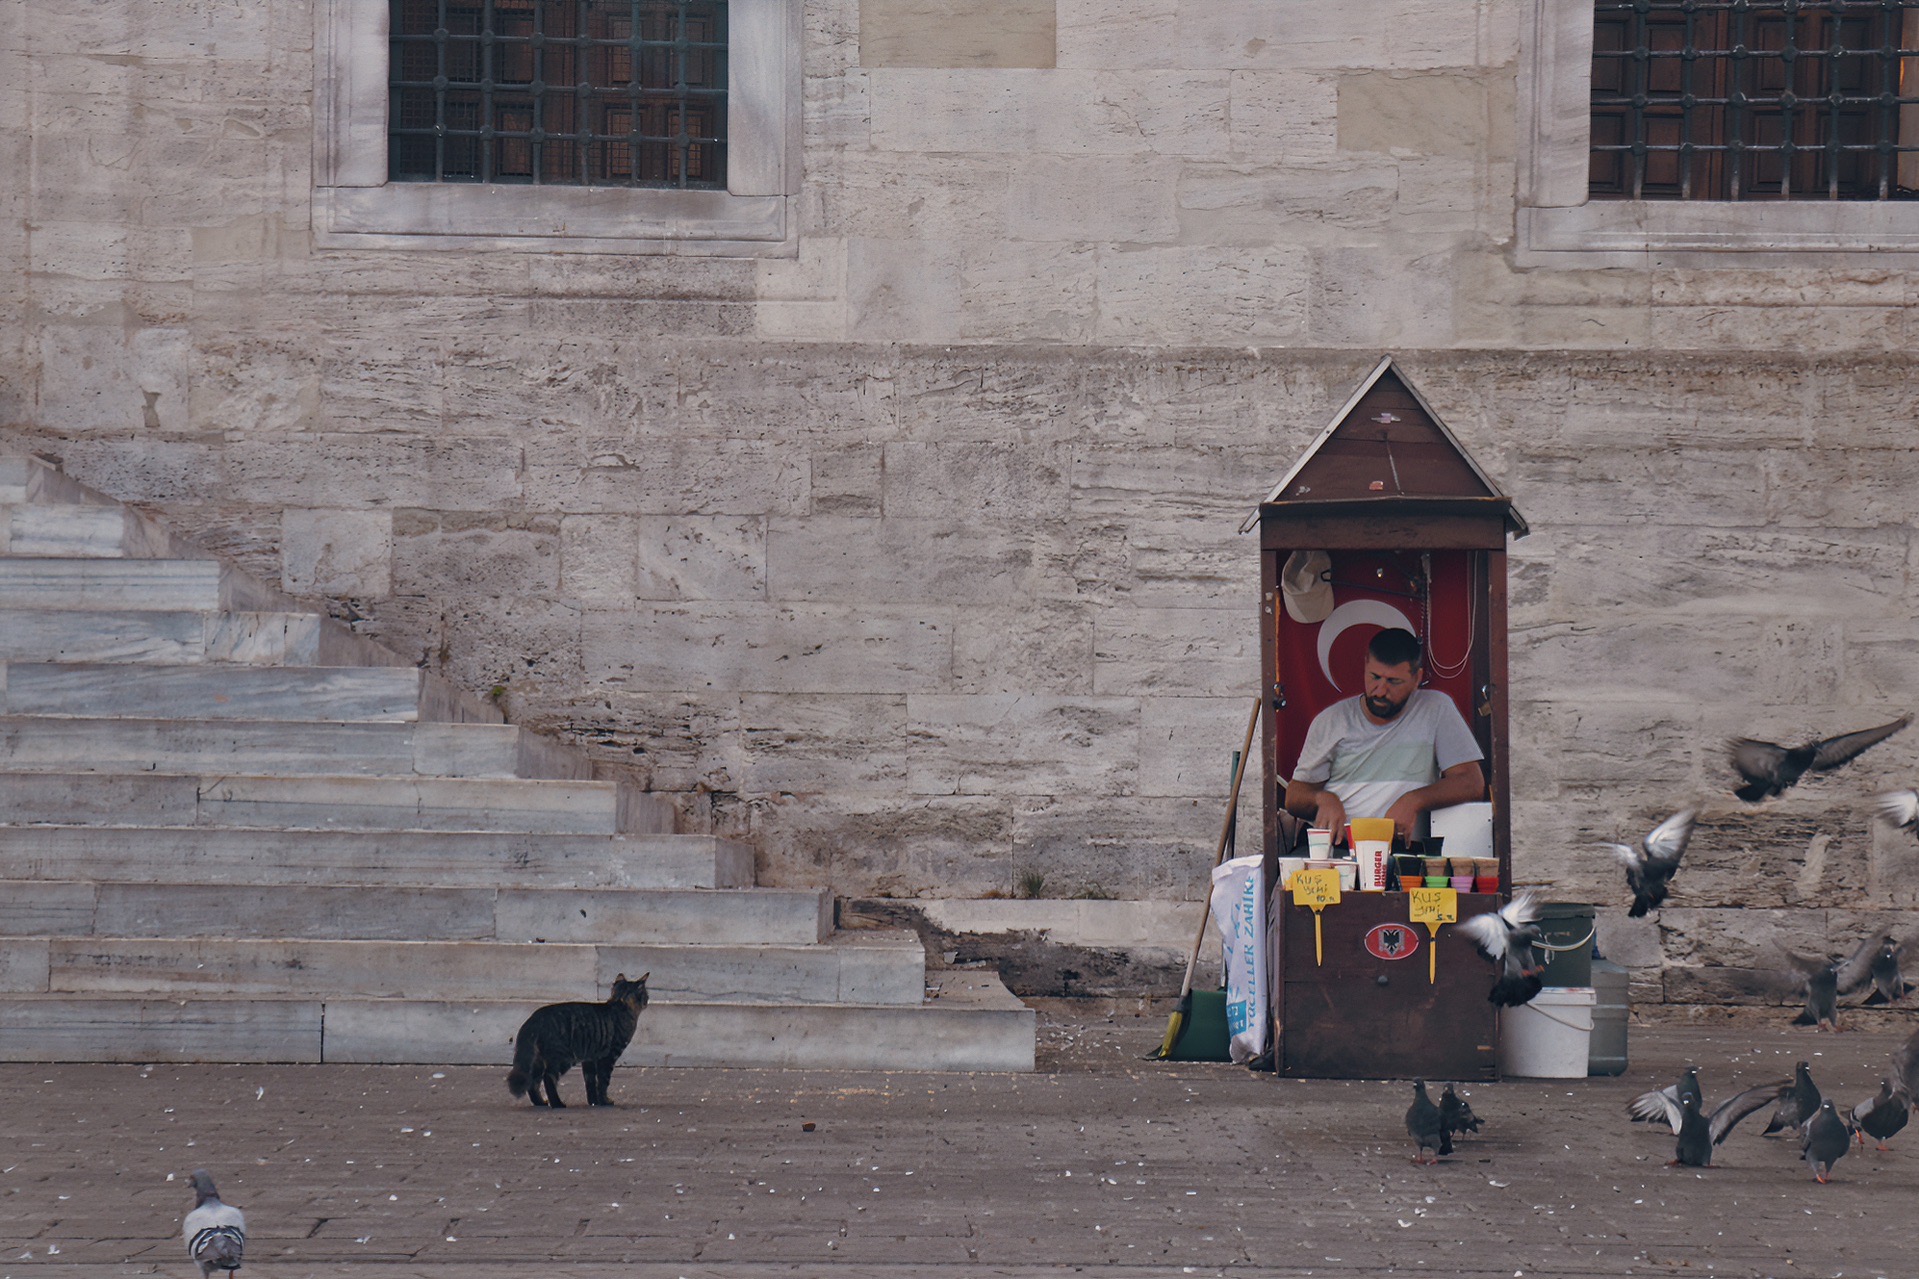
621 977
644 976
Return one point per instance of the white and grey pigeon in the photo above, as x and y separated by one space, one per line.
1651 866
1900 808
1511 939
216 1233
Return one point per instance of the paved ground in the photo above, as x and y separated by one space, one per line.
1101 1164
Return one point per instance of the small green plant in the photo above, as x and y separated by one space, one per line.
1029 884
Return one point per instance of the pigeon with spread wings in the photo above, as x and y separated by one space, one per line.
1651 866
1826 978
1698 1134
1769 768
1511 939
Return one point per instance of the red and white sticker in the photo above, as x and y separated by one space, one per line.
1392 941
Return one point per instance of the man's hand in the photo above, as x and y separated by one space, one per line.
1331 815
1404 815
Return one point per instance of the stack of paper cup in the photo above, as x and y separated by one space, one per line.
1373 849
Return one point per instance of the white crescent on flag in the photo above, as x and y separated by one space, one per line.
1355 613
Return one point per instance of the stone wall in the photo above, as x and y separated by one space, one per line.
913 556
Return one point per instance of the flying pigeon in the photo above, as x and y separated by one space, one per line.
1889 985
1770 768
1455 1115
1651 866
1825 979
1697 1134
1900 808
1423 1125
1881 1117
1654 1106
1510 939
1798 1105
1825 1140
216 1233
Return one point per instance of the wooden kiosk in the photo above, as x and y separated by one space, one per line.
1416 536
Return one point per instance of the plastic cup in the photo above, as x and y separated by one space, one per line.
1348 874
1435 881
1319 841
1288 867
1486 883
1462 883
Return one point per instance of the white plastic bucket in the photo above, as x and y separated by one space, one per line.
1549 1038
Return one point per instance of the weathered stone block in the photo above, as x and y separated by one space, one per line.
1285 116
701 557
902 286
956 33
476 553
1093 198
113 378
336 553
762 648
848 482
813 744
904 559
679 477
1431 114
1038 647
1181 295
1010 744
1175 652
1186 747
991 481
1031 292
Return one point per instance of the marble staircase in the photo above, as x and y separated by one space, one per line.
233 830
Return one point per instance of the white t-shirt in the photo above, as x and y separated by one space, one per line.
1370 765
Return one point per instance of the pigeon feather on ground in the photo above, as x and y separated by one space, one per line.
1651 866
1509 938
1798 1105
1881 1117
1424 1126
1769 768
216 1232
1698 1134
1825 1141
1656 1106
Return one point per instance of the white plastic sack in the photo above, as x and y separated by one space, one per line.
1239 912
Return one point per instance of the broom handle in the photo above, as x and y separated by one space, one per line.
1225 832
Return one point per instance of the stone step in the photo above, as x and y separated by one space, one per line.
86 532
184 638
322 694
128 585
853 968
384 858
526 805
973 1025
706 917
36 744
25 478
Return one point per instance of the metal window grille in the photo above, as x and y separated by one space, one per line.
559 92
1755 100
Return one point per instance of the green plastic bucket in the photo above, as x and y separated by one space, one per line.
1569 925
1205 1037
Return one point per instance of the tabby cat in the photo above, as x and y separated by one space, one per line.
594 1035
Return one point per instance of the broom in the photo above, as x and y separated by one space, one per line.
1176 1024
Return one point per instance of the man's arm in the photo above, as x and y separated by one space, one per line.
1317 804
1460 784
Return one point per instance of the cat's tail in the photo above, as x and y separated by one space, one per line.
526 1056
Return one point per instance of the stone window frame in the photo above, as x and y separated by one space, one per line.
1558 225
355 207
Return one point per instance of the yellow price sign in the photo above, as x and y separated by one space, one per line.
1433 907
1316 890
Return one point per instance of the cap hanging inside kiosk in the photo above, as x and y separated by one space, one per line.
1385 522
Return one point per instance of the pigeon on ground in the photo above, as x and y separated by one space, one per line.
1455 1115
1656 1106
1881 1117
1510 939
1770 768
1651 866
1698 1134
1889 985
1424 1126
1798 1105
216 1233
1905 1066
1900 808
1826 978
1825 1141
